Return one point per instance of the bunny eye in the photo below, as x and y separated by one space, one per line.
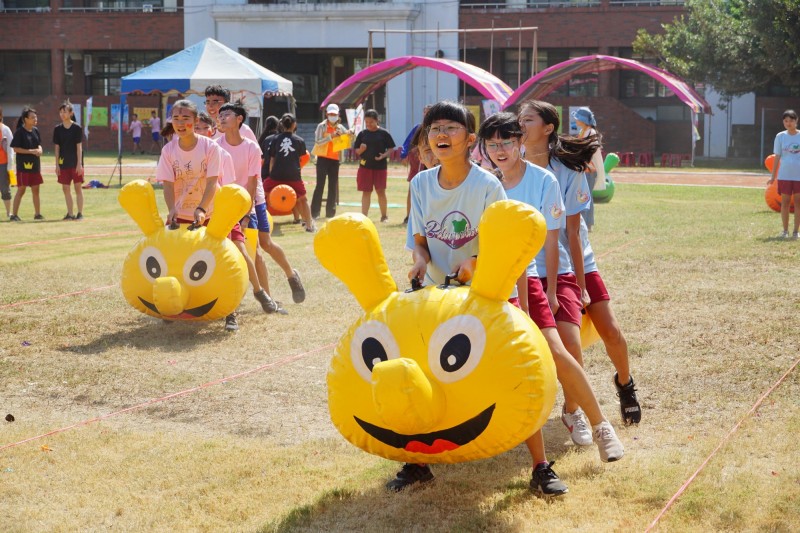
372 343
152 263
199 268
456 348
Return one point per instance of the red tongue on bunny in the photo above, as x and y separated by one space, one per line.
438 446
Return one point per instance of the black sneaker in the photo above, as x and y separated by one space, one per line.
14 218
38 217
298 292
628 404
231 324
405 221
267 304
546 481
384 218
68 217
79 216
408 475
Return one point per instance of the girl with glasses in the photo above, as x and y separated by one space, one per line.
500 142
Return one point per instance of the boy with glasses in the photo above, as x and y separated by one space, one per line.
216 97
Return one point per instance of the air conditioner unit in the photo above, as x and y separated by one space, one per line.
87 64
147 8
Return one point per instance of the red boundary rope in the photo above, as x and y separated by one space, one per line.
719 446
283 361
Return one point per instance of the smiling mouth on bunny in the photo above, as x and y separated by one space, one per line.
435 442
194 312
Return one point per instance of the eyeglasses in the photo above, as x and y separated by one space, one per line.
450 130
227 114
215 102
505 145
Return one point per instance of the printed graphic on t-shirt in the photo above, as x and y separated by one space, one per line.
581 196
455 230
286 146
556 211
793 148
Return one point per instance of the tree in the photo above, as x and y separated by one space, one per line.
737 46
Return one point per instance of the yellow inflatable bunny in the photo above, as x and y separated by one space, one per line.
184 274
441 374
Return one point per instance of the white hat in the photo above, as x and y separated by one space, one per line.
333 109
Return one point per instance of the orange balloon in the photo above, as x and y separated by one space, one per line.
281 200
769 162
773 199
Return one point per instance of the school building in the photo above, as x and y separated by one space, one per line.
51 50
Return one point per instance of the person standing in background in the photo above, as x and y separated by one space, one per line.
27 144
155 131
595 175
136 133
327 162
6 163
68 141
373 145
786 169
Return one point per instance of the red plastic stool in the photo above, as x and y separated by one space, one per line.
626 159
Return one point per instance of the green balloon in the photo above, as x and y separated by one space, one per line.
605 196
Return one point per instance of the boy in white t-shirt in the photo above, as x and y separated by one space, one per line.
216 97
786 169
136 133
247 164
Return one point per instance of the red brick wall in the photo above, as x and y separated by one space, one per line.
85 32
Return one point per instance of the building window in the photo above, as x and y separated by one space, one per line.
25 5
24 74
107 68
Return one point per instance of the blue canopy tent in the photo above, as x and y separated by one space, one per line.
208 62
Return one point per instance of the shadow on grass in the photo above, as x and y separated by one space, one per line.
457 494
147 333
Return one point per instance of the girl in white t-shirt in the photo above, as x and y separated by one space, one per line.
188 169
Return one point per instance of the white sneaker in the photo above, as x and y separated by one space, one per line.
608 444
577 426
784 235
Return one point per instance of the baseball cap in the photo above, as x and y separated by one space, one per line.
332 109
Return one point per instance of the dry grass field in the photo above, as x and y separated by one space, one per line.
183 427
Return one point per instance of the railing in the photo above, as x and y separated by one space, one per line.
284 2
530 4
544 4
646 3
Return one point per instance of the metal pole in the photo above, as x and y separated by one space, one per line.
761 151
491 48
519 55
535 60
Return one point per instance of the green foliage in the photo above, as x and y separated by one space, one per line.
737 46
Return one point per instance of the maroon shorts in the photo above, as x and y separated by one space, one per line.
788 187
368 179
596 288
29 179
236 234
538 306
299 186
568 294
69 175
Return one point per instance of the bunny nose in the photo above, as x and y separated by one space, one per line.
404 398
169 297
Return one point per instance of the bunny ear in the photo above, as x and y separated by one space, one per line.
510 234
139 200
349 248
231 203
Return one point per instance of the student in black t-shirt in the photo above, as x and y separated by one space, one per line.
287 155
27 144
68 139
373 145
